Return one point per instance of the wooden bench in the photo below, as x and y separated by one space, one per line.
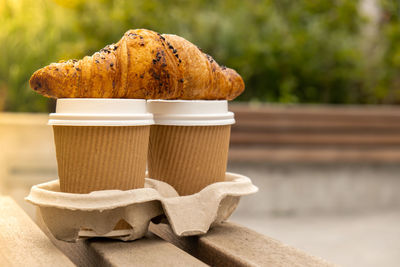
276 133
22 243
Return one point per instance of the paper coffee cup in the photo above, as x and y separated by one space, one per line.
189 142
101 143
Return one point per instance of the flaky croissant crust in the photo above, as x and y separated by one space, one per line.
143 65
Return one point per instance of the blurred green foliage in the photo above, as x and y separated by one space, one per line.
287 51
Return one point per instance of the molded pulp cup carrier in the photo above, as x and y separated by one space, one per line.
68 216
102 144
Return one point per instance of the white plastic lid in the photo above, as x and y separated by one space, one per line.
190 112
101 112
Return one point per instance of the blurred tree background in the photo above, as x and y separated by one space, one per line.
287 51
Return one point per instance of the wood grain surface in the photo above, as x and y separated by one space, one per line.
148 251
315 133
229 244
22 243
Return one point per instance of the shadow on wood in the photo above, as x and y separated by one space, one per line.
148 251
229 244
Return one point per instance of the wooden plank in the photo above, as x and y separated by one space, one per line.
315 139
317 110
320 116
293 124
313 133
148 251
229 244
22 243
318 155
266 117
331 117
80 253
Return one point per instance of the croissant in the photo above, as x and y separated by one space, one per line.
144 65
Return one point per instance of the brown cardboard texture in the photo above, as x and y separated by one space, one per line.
188 157
92 158
70 216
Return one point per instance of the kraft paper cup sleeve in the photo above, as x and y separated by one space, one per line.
189 142
188 158
69 216
92 158
101 143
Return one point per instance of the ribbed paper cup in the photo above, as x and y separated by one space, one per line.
101 143
189 143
